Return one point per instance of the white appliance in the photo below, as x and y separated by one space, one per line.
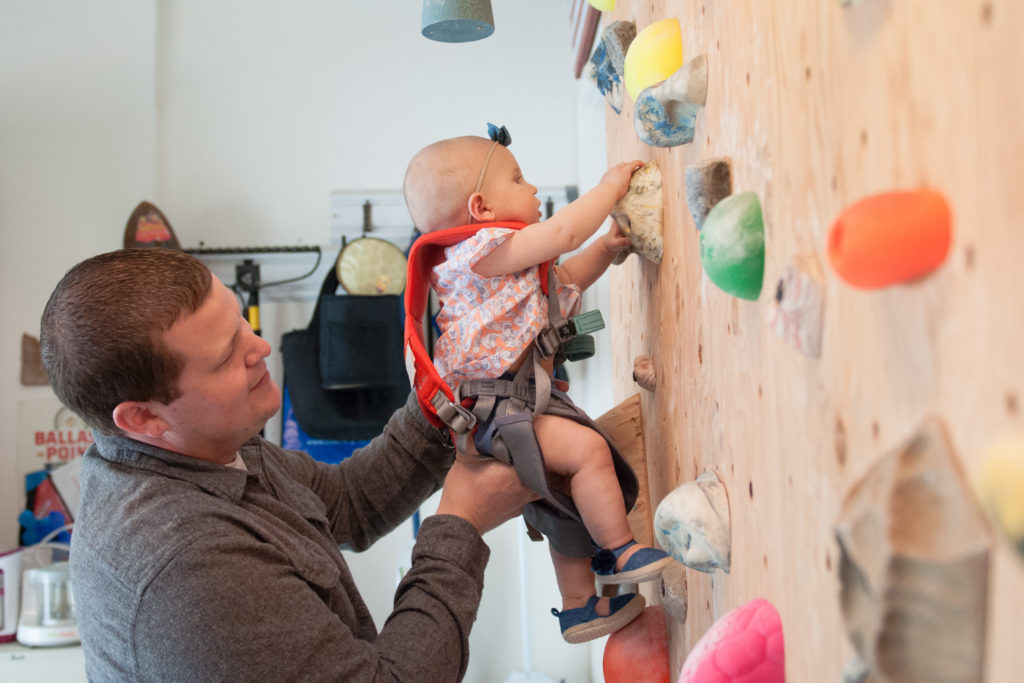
47 607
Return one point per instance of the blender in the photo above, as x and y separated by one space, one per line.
47 607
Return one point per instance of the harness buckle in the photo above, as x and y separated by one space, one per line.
548 342
458 418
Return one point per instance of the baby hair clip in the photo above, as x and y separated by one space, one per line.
499 135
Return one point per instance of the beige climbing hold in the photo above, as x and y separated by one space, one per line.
692 524
643 372
707 182
639 212
914 557
797 311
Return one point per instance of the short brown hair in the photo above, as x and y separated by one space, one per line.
101 330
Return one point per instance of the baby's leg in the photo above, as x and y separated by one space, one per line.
582 455
575 581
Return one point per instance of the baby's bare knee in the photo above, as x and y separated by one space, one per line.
573 448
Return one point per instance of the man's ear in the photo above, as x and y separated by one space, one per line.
478 208
135 417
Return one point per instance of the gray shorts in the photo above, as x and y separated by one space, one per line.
555 516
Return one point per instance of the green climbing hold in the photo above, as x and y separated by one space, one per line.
732 245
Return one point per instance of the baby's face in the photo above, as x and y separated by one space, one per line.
507 192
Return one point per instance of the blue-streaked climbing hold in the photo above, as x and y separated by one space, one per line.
666 114
606 67
732 245
693 524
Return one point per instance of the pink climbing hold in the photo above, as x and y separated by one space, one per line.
744 646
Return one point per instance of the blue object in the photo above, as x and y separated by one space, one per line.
294 438
644 564
606 77
666 113
499 135
35 529
660 126
584 623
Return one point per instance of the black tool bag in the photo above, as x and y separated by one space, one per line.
344 373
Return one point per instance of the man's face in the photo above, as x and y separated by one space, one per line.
226 391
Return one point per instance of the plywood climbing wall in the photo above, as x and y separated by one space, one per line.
818 105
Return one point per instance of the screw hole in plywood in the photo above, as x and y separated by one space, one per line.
840 442
969 256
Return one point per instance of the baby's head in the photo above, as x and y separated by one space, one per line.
465 179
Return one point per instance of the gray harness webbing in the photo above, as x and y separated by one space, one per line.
528 394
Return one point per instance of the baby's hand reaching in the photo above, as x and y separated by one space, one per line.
618 176
614 241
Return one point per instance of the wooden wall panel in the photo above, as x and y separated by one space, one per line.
817 106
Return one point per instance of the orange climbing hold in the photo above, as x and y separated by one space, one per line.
639 650
891 237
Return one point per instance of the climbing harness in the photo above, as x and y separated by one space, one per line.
528 393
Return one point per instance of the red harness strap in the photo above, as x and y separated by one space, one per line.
436 398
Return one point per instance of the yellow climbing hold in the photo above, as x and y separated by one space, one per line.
655 54
999 481
602 5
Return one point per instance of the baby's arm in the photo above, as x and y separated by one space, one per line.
565 231
584 268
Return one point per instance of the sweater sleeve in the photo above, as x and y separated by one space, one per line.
229 608
383 483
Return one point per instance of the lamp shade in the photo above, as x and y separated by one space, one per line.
457 21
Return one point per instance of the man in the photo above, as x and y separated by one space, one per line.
202 552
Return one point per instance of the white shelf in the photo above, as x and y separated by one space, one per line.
20 664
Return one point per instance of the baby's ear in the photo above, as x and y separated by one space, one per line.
478 208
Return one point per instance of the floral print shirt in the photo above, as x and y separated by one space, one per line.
487 323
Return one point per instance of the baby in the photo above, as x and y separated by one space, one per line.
493 307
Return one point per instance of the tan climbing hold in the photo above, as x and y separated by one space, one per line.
639 212
797 311
643 372
914 565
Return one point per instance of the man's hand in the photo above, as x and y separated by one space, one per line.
485 493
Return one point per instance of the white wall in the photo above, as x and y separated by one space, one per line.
238 118
76 156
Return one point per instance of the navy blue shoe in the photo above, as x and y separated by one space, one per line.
584 623
645 564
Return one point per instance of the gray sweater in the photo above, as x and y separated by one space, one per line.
185 570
